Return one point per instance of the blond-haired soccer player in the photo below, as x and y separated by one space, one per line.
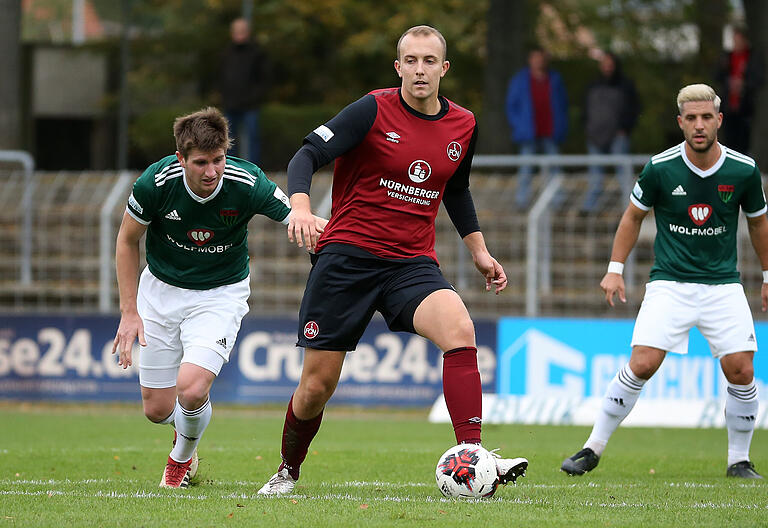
696 189
194 207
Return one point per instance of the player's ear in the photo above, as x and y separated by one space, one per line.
446 65
397 68
181 159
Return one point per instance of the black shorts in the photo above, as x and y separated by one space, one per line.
343 292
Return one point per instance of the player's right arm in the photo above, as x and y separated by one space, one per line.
324 144
127 263
623 242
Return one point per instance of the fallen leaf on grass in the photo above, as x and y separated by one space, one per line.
363 506
116 457
294 501
443 512
240 506
230 515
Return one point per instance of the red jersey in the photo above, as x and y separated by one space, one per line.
388 186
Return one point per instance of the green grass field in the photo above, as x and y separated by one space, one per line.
100 466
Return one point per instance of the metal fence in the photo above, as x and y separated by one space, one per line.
57 232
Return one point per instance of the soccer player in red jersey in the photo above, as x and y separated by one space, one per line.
399 152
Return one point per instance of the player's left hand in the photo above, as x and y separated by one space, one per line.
493 272
764 296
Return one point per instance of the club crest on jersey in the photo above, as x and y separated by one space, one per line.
699 213
229 216
200 236
419 171
725 192
454 150
311 330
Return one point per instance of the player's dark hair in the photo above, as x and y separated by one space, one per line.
423 30
206 130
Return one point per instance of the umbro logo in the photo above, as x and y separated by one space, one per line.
222 342
679 191
394 137
173 215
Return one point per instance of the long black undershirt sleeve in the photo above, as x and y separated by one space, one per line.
342 133
457 198
302 166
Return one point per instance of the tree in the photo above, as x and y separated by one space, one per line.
756 12
10 72
506 40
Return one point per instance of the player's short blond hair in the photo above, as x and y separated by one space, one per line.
206 130
423 30
695 93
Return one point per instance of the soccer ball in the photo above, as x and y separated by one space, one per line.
467 471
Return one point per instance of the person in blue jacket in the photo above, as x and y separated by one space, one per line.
537 111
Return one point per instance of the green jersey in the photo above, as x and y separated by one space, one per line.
697 213
201 243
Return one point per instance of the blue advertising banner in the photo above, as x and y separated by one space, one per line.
69 358
577 358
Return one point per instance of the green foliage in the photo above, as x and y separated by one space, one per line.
100 466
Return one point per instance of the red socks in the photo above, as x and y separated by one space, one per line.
463 393
297 435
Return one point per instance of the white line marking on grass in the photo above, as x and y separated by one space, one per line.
142 494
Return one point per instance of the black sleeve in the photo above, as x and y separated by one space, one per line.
461 210
327 142
344 131
457 198
302 166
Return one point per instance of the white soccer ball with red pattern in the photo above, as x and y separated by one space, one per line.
467 471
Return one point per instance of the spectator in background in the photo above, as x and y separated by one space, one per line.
610 113
243 85
740 75
537 111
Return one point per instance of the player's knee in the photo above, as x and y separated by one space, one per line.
156 412
740 374
193 396
317 390
462 332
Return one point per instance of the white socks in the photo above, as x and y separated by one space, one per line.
741 406
189 428
620 397
171 417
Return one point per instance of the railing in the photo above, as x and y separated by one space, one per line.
57 231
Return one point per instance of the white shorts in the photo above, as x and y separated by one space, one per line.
187 326
720 312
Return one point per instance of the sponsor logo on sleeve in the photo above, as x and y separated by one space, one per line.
324 132
280 195
133 203
637 191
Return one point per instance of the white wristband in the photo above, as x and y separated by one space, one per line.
765 276
618 267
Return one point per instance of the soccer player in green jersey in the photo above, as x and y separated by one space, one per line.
194 207
696 190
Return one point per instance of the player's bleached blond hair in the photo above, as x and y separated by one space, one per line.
206 130
423 30
695 93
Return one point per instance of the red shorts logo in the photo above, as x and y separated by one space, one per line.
311 330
